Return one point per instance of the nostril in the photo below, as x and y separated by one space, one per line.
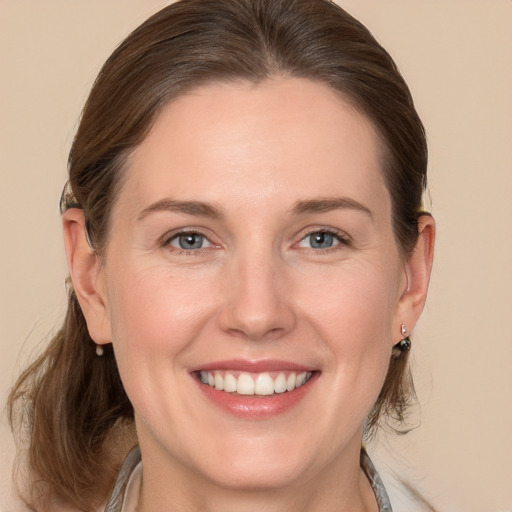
256 305
258 329
247 320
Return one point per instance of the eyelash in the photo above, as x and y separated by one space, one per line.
342 238
167 239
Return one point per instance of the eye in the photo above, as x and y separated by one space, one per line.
320 240
189 241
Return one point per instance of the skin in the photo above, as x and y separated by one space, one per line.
255 290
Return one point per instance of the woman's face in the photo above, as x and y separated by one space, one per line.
252 248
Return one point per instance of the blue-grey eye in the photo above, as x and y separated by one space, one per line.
319 240
190 241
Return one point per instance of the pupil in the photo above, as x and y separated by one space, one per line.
321 240
191 241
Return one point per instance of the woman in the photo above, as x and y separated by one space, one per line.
247 255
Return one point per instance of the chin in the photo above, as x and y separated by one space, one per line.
261 462
262 474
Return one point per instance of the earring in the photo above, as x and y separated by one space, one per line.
405 343
99 350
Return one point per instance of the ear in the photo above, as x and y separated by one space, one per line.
417 276
87 274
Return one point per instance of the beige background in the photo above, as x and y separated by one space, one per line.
456 56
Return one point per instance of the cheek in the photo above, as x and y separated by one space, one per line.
356 302
354 314
154 313
156 316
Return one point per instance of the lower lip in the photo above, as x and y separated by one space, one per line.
256 407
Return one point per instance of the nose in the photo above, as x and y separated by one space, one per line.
257 305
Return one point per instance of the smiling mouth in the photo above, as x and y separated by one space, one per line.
254 384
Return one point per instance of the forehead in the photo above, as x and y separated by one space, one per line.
275 140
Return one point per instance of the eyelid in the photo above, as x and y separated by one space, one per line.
341 236
165 240
338 233
177 237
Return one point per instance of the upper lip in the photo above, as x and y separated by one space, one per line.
243 365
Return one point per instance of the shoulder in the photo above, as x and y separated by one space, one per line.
405 498
125 494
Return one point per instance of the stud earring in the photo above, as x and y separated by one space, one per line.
99 350
405 343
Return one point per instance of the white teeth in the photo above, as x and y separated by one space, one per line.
290 382
229 383
219 382
301 378
280 383
264 384
245 384
254 384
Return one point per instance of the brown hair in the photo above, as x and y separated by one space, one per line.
73 403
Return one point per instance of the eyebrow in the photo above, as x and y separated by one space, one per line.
202 209
197 208
328 204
